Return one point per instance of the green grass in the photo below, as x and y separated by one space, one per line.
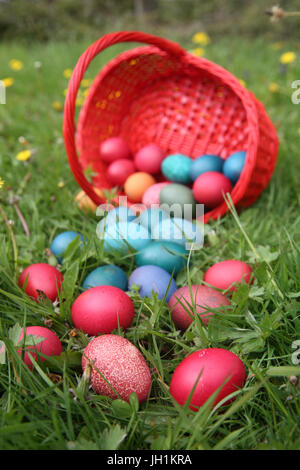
263 322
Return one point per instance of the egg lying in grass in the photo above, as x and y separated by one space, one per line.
108 275
43 341
213 368
119 214
182 304
39 279
151 279
166 255
118 368
124 237
61 242
102 309
228 274
177 230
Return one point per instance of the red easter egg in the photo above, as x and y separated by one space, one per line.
41 277
151 195
113 149
228 273
50 346
122 365
181 304
216 366
119 170
102 309
209 187
149 158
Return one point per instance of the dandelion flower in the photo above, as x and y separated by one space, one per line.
57 105
7 82
1 182
61 184
287 57
198 52
67 73
201 38
273 87
24 155
16 65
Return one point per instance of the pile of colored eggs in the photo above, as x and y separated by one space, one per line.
203 180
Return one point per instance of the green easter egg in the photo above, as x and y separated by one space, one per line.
178 194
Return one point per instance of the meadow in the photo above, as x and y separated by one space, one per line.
51 407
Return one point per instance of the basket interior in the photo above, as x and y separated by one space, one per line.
146 96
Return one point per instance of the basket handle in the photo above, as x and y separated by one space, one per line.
69 110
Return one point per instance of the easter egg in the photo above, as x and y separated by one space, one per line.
102 309
209 187
166 255
119 170
61 242
41 277
108 275
119 214
204 164
149 159
136 185
152 278
177 230
151 217
84 203
124 237
177 168
151 195
234 165
43 341
117 366
182 305
178 200
114 148
228 273
214 366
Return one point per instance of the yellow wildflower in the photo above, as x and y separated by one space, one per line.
287 57
273 87
67 73
61 184
57 105
86 82
16 65
201 38
7 82
198 52
24 155
1 182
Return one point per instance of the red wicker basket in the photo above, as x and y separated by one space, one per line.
161 93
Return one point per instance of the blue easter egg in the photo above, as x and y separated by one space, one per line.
61 242
151 217
167 255
234 165
205 163
152 278
119 214
180 231
125 236
177 168
108 275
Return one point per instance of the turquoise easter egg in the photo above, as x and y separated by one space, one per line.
177 168
169 256
234 165
204 164
119 214
151 217
108 275
123 237
180 231
61 242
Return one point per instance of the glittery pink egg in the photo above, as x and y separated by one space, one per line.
122 365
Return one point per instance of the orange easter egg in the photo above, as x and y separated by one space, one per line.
84 202
136 185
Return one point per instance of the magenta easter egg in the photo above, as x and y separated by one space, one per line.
119 170
227 274
120 364
209 187
216 367
113 149
203 299
50 345
149 159
102 309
